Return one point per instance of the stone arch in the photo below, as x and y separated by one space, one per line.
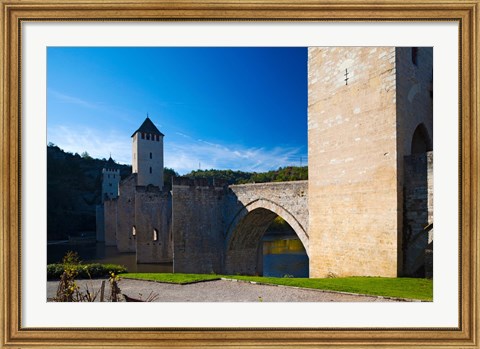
246 230
421 141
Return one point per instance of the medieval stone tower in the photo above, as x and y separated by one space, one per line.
147 154
110 180
138 219
370 133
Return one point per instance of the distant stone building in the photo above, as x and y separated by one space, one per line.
110 180
367 208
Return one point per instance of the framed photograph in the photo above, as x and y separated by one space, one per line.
47 41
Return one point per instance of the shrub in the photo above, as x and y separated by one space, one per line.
85 271
54 271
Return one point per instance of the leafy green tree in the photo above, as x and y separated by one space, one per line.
168 174
86 156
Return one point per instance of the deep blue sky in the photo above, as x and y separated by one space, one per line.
238 108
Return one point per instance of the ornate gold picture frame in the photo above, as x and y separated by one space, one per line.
14 13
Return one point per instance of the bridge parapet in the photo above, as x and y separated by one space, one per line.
199 182
291 196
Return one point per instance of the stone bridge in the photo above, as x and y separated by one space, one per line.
218 228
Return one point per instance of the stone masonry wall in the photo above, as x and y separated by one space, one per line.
414 95
110 221
126 215
352 142
153 210
414 99
100 222
197 225
418 208
149 169
211 219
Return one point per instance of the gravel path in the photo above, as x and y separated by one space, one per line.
220 291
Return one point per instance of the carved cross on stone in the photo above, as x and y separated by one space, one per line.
346 76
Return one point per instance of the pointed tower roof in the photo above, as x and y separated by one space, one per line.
110 164
148 127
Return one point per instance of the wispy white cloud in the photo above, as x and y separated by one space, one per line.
182 153
182 134
189 155
98 144
64 98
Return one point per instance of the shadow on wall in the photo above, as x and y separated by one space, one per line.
418 205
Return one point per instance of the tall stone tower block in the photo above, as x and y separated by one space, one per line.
110 180
365 105
147 155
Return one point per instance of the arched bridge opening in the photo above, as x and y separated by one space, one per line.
266 239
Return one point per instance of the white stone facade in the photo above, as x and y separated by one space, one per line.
147 158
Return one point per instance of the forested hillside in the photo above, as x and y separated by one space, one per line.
283 174
74 184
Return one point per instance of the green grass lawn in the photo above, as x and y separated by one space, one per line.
412 288
171 278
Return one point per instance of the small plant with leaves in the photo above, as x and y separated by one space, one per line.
71 258
115 292
67 290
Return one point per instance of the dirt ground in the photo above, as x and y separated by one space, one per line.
218 291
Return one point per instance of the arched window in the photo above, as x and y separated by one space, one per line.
155 234
134 231
421 142
150 170
150 155
415 55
